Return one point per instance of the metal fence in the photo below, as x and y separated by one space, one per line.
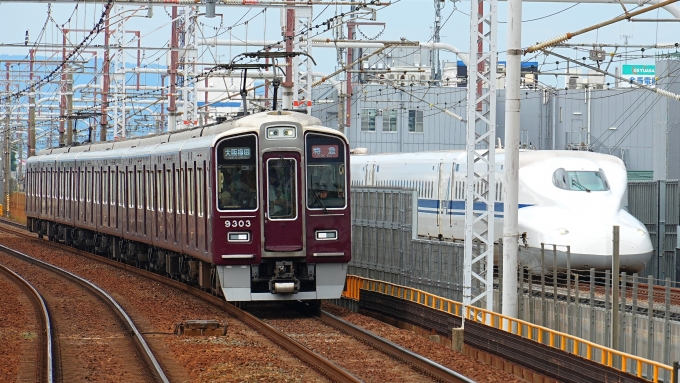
385 246
655 203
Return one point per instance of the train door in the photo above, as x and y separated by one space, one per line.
283 218
139 201
151 201
69 193
370 174
441 197
113 201
189 172
451 194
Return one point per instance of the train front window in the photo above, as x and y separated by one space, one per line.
326 172
237 173
281 188
580 180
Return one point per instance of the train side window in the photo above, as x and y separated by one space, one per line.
130 189
140 189
160 193
121 188
168 190
191 191
180 189
88 184
105 186
149 190
113 185
201 190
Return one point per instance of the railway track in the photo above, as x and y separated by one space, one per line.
318 362
88 325
429 368
40 360
367 356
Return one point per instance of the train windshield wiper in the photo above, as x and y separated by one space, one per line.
578 185
315 193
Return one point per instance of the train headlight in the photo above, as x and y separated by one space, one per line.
562 231
240 236
641 233
326 235
280 132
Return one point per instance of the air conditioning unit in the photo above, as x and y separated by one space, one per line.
573 82
391 76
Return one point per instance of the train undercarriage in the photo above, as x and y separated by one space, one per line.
281 277
158 260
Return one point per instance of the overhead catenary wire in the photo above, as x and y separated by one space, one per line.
569 35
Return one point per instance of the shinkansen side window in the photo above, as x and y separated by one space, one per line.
237 173
326 172
580 180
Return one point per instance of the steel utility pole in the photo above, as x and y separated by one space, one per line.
481 159
434 53
6 149
512 127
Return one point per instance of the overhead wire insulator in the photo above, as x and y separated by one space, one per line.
549 43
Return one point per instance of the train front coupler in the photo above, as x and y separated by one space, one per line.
284 280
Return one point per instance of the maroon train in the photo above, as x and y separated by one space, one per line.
255 209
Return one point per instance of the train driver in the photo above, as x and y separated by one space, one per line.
225 199
279 202
241 191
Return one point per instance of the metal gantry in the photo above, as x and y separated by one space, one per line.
187 66
481 172
302 65
118 64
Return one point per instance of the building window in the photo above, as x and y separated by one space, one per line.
415 121
368 120
390 120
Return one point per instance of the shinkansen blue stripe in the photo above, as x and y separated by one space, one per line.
432 205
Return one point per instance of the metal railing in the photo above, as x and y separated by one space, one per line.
515 326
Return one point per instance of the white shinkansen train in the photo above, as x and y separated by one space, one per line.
565 198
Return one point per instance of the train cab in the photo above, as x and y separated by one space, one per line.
283 226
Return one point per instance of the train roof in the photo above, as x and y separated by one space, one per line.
527 157
177 140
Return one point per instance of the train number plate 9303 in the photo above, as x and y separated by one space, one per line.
237 223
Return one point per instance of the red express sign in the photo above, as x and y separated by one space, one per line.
325 151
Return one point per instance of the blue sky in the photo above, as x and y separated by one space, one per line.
411 19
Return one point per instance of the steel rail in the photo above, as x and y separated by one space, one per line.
316 361
46 369
424 365
141 344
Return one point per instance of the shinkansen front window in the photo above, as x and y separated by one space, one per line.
326 175
580 180
237 173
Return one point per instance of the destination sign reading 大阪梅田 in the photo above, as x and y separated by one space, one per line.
236 153
325 151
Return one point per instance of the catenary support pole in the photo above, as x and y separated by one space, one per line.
510 205
615 291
